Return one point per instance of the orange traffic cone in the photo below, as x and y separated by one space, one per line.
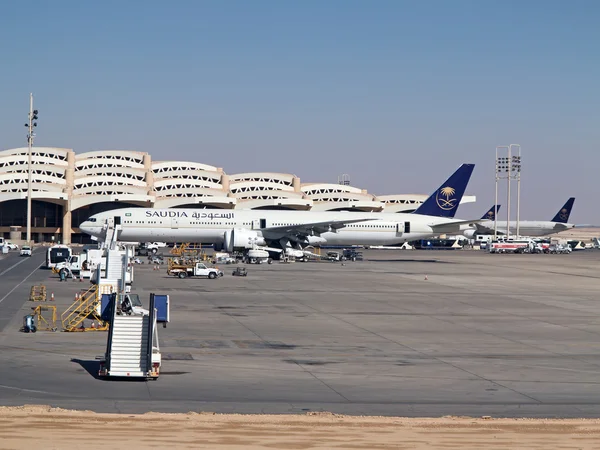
93 324
425 277
52 297
80 277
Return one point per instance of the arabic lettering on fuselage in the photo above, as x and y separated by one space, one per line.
195 215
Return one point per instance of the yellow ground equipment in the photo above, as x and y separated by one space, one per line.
188 250
38 293
47 323
85 308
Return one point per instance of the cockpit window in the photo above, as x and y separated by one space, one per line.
91 219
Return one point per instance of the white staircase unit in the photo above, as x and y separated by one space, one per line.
115 260
111 233
129 346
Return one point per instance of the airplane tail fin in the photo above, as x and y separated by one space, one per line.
445 200
491 214
562 216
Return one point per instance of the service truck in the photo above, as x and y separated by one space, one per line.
196 270
83 264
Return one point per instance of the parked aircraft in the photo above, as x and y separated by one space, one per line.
527 227
491 214
246 229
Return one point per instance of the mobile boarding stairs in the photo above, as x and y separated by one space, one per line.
132 349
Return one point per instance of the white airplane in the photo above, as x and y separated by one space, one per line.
527 227
246 229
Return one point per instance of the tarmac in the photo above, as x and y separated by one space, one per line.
403 333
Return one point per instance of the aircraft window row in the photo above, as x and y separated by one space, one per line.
151 222
374 226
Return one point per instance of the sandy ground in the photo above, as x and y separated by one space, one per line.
50 428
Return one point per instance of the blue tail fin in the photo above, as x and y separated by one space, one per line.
445 200
491 214
562 216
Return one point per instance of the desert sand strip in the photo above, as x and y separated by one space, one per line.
51 428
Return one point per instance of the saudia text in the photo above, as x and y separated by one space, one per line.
195 215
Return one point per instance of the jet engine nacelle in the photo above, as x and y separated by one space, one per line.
292 252
240 238
316 240
470 234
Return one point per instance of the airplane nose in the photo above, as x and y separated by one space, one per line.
86 227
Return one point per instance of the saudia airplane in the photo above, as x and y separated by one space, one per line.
247 229
526 227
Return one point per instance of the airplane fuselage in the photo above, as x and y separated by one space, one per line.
211 225
526 227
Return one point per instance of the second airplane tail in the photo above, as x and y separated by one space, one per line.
562 216
445 200
491 214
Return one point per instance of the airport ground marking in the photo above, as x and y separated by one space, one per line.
22 281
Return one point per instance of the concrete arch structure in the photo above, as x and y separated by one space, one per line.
179 183
312 189
266 190
406 203
171 166
272 199
49 167
340 197
80 184
111 158
268 178
257 186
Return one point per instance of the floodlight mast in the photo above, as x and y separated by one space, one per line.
31 124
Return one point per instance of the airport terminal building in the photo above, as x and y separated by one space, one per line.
67 188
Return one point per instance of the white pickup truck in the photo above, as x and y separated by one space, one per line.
197 270
153 247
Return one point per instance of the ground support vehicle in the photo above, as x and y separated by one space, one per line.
240 272
197 270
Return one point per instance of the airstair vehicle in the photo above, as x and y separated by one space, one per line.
132 349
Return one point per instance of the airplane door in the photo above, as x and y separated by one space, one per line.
407 227
399 229
174 223
256 224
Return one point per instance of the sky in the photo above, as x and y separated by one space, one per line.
396 94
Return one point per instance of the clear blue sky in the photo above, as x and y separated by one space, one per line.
395 93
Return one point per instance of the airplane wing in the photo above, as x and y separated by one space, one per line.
308 229
454 227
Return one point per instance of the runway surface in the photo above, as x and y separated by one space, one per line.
499 335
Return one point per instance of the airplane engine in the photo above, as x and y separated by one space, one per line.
240 238
470 234
316 240
292 252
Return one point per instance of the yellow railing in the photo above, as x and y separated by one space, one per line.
86 307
